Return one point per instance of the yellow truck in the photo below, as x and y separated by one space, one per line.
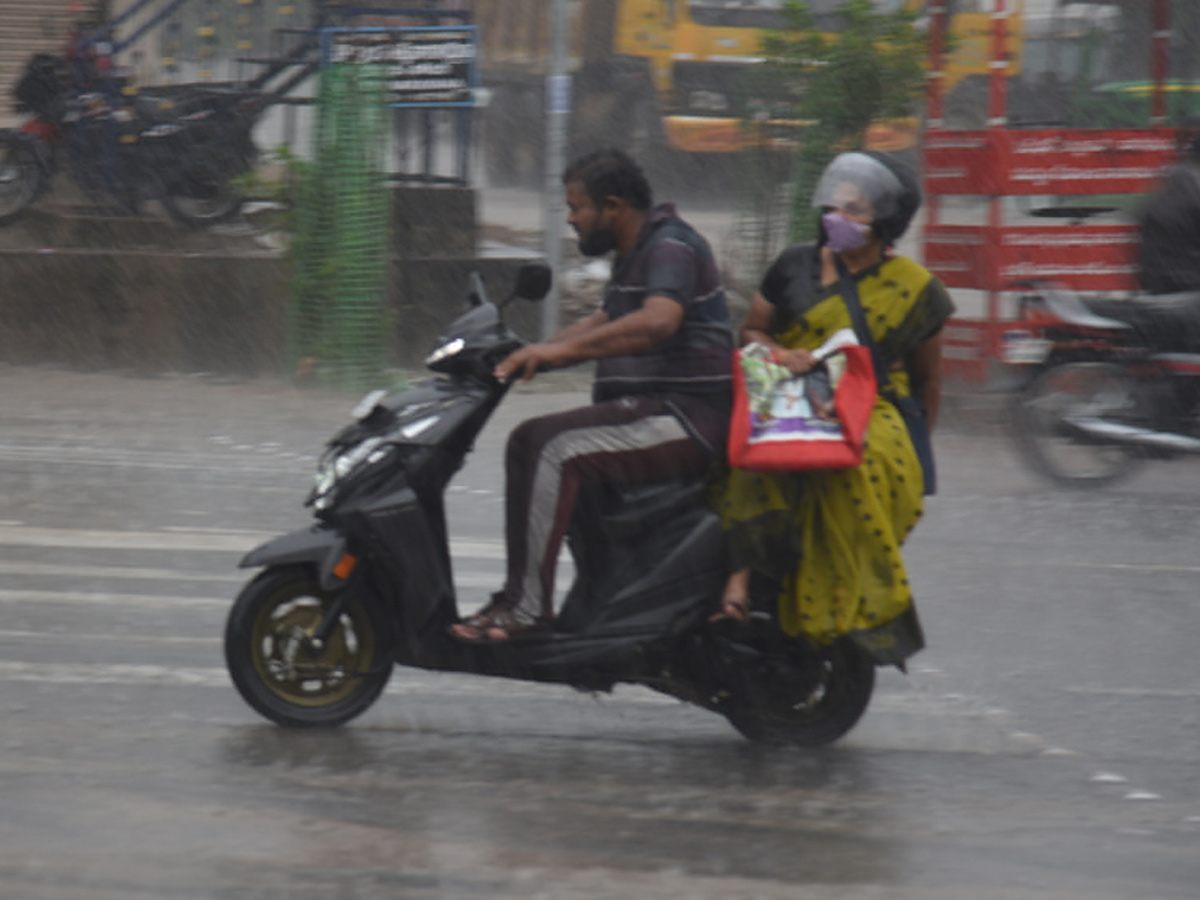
653 75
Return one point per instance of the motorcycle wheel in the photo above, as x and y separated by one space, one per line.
277 670
20 178
202 199
1051 448
795 710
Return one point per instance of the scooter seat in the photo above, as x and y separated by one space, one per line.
632 511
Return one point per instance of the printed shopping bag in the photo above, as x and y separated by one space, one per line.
792 423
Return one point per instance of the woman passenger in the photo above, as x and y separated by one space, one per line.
829 541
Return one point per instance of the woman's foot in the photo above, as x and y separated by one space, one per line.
733 608
735 602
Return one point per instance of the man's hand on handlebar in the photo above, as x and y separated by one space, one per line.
526 362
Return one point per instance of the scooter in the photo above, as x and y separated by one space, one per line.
1109 382
312 639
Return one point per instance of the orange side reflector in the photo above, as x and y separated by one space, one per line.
345 566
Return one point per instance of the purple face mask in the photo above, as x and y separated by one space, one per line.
842 234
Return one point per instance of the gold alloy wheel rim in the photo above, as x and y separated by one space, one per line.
286 662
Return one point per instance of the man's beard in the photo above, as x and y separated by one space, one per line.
598 242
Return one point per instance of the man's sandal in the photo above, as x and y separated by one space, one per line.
496 623
472 628
733 608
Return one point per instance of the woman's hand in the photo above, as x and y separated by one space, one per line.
795 361
757 327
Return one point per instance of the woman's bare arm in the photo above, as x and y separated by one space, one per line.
757 327
924 366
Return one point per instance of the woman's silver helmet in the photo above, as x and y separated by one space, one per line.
868 182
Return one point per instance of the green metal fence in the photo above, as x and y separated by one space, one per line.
340 254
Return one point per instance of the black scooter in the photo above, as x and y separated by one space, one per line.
311 641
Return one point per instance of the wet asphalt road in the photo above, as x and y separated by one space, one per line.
1045 745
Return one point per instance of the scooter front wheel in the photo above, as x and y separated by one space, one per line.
282 672
791 706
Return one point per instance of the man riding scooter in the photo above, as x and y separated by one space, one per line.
661 397
1168 257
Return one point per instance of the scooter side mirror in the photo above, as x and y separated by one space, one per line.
533 281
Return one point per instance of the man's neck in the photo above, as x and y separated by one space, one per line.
629 229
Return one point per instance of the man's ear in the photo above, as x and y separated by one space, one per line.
612 204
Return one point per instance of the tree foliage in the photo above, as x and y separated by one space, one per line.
871 67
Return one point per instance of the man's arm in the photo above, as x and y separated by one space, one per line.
658 318
584 325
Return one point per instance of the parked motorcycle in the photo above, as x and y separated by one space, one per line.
312 639
182 145
1109 382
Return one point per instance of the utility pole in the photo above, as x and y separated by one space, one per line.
558 108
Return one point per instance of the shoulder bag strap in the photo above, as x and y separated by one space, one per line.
910 408
849 292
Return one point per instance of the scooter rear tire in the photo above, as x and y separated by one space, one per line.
283 677
817 716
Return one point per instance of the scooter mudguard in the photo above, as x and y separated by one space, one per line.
316 544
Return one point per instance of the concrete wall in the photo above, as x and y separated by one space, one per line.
137 293
148 311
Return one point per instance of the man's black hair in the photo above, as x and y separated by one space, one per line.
611 173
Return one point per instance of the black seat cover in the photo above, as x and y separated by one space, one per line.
1168 322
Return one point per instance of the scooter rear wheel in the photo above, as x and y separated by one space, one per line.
1099 389
275 665
807 714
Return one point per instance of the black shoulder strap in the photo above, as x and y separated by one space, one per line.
849 291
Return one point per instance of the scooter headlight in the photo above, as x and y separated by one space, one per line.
445 352
332 470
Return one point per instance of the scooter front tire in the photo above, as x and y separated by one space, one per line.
277 669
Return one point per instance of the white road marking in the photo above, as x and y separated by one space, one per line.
162 601
405 682
1135 693
76 638
187 539
125 673
1143 795
1132 567
286 464
95 539
103 598
133 573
